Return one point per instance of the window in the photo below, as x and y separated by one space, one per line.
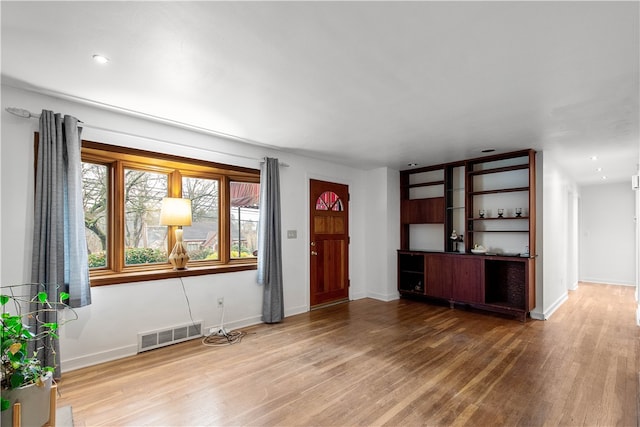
245 198
202 237
123 190
145 241
329 201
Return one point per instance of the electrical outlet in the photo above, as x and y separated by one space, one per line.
221 302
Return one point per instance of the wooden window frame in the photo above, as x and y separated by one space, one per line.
117 158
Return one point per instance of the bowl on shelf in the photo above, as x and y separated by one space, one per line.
479 250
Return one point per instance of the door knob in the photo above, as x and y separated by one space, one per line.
313 243
314 253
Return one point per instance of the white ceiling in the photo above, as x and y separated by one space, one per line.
368 84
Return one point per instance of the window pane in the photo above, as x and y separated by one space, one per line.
145 240
329 201
245 204
94 196
202 237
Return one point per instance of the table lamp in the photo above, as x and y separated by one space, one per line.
176 212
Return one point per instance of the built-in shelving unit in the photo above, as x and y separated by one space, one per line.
447 210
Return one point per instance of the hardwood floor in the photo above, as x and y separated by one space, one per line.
368 362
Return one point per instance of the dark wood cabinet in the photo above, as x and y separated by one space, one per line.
438 276
488 202
467 284
423 211
495 283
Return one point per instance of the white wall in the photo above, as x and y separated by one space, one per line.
607 241
556 236
108 328
382 235
637 223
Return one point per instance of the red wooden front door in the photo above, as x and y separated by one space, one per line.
329 242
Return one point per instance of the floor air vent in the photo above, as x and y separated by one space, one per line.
164 337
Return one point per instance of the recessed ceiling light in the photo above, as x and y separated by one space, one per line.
100 59
412 164
594 157
488 150
599 170
604 177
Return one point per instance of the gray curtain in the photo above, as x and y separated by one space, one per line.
59 244
270 243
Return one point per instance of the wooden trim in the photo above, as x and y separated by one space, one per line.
502 190
498 170
424 169
490 158
501 219
126 152
224 252
116 247
503 156
113 278
175 167
532 207
17 414
426 184
53 405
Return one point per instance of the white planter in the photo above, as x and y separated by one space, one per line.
34 402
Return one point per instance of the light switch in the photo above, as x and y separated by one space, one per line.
292 234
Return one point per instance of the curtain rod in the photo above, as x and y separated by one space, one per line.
26 114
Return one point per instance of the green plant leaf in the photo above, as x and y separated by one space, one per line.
5 404
16 380
51 325
15 357
4 299
42 297
64 296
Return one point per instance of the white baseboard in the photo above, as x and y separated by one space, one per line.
546 314
230 326
67 365
295 310
606 282
537 315
384 297
357 295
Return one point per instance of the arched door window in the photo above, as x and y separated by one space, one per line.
329 201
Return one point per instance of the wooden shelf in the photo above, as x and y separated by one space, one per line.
412 272
425 184
409 292
497 218
498 170
498 283
501 190
497 231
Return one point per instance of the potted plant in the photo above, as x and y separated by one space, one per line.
23 378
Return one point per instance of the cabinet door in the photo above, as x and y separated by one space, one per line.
438 278
467 285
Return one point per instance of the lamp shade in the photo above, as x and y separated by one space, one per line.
175 211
